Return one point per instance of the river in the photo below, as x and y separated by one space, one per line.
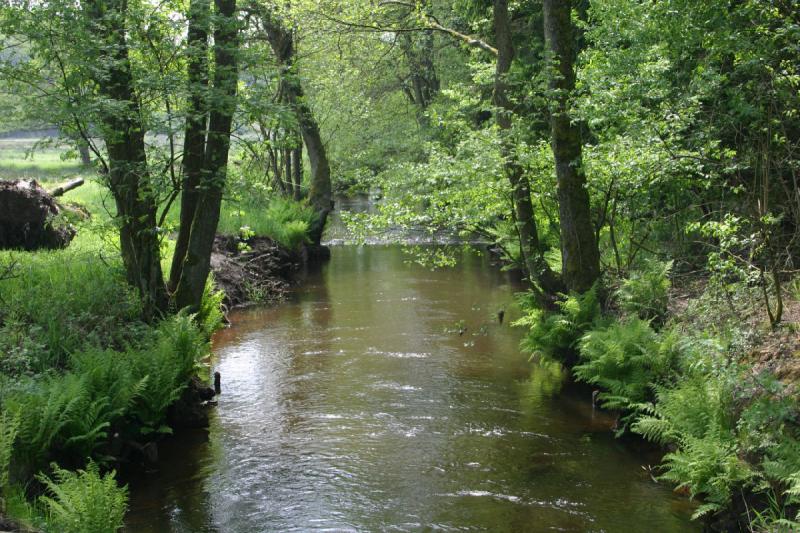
386 397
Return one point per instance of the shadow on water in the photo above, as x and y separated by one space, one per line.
385 396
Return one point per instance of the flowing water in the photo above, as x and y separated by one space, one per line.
387 397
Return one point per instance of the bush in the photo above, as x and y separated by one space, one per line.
646 292
84 501
626 360
554 335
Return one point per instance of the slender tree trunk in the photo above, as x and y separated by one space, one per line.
194 143
297 169
128 176
320 194
197 263
524 215
86 157
418 51
580 256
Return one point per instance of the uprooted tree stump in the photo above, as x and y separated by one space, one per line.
29 218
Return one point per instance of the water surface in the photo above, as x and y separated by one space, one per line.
386 397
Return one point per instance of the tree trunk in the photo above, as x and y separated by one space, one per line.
128 176
418 51
580 256
297 169
197 263
194 143
320 194
86 157
530 247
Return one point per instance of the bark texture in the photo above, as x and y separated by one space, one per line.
524 214
123 133
222 102
320 193
580 256
194 143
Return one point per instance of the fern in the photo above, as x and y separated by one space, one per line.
646 292
167 367
709 466
696 416
83 501
626 360
554 335
9 424
210 317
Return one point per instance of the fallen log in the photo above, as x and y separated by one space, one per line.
63 189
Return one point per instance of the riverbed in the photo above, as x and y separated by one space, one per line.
384 396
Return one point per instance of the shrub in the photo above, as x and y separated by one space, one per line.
626 360
646 292
554 335
84 501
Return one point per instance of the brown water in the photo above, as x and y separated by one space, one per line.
364 405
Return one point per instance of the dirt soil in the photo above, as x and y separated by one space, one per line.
256 271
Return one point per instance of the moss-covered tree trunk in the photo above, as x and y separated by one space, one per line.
123 132
580 257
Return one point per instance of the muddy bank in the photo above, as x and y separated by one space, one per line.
257 270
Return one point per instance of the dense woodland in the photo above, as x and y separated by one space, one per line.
636 160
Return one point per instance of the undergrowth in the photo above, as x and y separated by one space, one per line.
732 436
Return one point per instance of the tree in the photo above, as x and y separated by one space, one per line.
190 277
580 256
320 194
123 132
524 215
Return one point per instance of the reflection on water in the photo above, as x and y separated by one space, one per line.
364 404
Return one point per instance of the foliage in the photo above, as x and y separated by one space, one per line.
61 301
69 416
84 501
645 293
627 360
8 434
283 220
555 334
165 369
697 416
210 317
